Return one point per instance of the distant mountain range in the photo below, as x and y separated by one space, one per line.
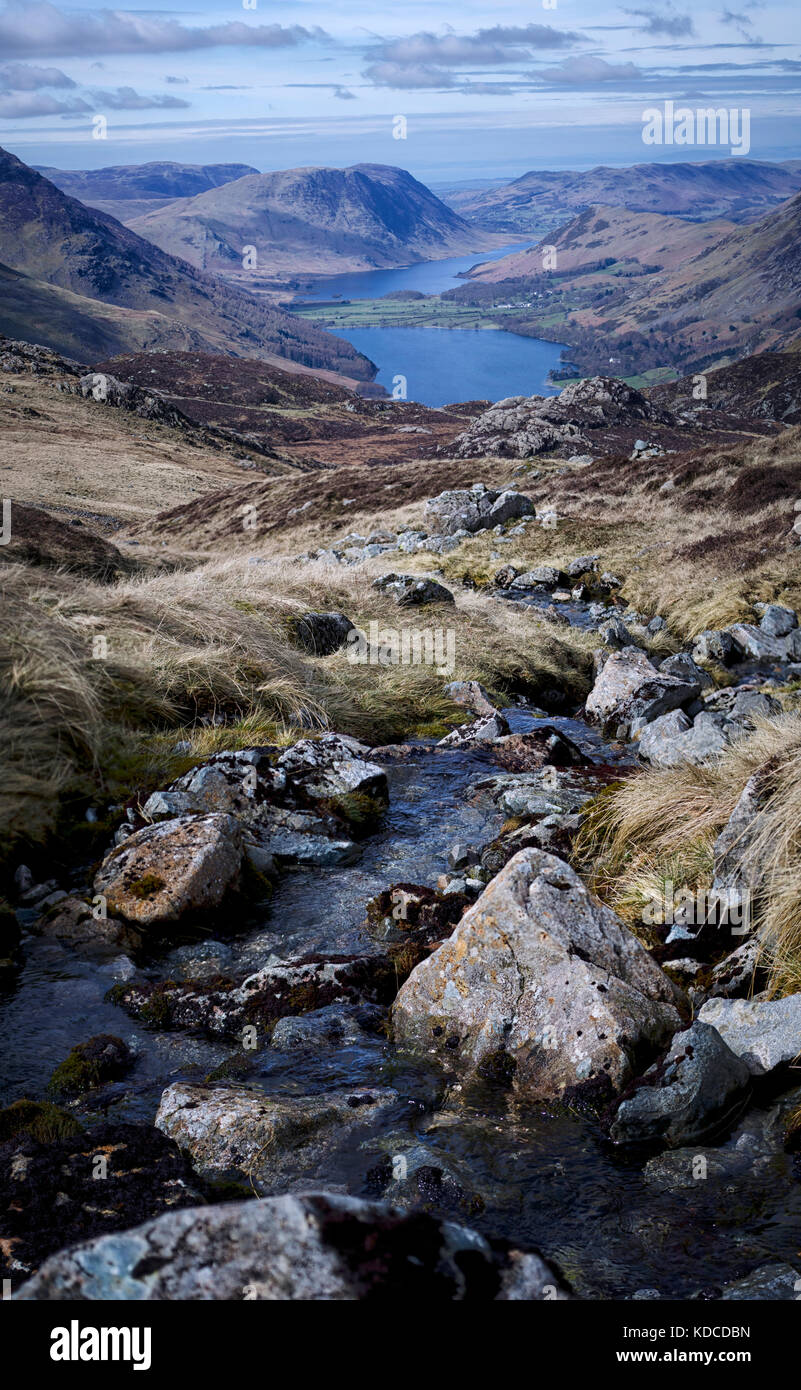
312 221
130 295
638 291
740 190
129 190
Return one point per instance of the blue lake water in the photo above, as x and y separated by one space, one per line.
429 277
444 365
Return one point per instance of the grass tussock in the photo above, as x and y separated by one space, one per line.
100 682
661 824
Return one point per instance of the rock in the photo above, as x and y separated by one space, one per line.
471 695
484 730
409 590
672 739
177 869
750 704
583 564
629 688
337 1025
505 576
538 982
412 914
763 1034
698 1089
770 1282
683 666
321 633
777 621
73 921
523 426
102 1058
315 1247
739 865
545 575
475 509
718 646
760 645
614 633
55 1194
527 794
269 1138
333 770
231 783
736 974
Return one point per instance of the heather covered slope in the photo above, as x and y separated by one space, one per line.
53 238
313 220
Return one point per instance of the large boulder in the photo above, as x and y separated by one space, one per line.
321 633
317 1247
629 690
179 868
333 770
700 1087
523 426
412 590
764 1034
673 738
540 982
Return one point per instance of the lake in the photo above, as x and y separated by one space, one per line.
429 277
444 365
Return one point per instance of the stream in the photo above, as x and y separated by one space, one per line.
532 1173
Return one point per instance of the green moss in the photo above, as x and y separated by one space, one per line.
146 886
39 1119
102 1058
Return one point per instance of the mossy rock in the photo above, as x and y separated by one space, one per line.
103 1058
39 1119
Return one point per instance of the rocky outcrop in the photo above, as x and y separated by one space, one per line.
523 426
540 983
316 1247
411 591
478 508
764 1034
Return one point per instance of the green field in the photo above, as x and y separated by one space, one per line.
405 313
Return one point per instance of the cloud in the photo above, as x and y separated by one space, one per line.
26 105
342 94
501 44
408 76
675 26
126 99
21 77
742 22
175 81
586 71
41 28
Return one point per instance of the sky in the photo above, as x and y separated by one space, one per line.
451 91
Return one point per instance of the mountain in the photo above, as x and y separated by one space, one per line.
129 190
639 291
740 190
52 238
320 221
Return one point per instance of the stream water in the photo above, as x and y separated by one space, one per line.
531 1173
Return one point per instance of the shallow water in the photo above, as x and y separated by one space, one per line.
529 1173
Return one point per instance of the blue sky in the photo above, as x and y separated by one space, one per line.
484 90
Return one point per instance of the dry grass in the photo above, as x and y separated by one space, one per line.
661 825
205 656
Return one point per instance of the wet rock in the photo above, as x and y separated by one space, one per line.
223 1007
177 869
101 1058
53 1195
540 982
410 590
763 1034
534 794
412 914
545 576
73 921
630 689
321 633
771 1282
315 1247
415 1178
269 1138
699 1087
337 1025
276 837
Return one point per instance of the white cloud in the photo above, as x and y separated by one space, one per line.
22 77
586 71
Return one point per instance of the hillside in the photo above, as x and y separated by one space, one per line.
738 189
641 292
312 220
129 190
52 237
